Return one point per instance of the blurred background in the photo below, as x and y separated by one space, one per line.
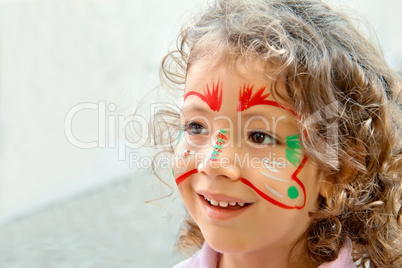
72 187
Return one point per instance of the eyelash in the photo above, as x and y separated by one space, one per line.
189 127
265 135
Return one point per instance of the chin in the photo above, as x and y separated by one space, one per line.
226 242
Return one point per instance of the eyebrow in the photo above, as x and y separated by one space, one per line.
271 118
246 100
211 97
265 114
194 108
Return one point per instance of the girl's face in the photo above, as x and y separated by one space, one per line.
238 163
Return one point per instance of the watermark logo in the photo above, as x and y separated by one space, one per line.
114 131
327 148
131 132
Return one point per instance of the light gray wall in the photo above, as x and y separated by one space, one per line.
55 55
383 19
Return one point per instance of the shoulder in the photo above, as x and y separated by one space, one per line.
344 259
204 258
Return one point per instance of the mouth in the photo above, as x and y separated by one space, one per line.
223 209
226 204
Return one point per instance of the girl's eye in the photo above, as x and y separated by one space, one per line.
195 129
261 138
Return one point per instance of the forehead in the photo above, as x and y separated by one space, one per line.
252 75
228 90
251 72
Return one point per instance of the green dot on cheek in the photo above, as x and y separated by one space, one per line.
292 192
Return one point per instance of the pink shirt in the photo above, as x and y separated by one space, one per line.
208 258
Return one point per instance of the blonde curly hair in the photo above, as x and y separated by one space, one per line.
336 76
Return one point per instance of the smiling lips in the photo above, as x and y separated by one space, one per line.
222 210
218 200
222 207
223 204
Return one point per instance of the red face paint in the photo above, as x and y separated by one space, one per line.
276 202
221 139
212 98
185 176
246 100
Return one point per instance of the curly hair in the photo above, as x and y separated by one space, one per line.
349 102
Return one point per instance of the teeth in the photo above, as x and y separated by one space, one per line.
223 204
213 202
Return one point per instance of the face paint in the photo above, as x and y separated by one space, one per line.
294 150
220 140
273 165
187 153
246 100
273 191
273 177
271 168
292 194
212 98
292 191
293 185
185 176
180 136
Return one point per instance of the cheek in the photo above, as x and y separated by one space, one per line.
186 160
188 197
278 182
184 164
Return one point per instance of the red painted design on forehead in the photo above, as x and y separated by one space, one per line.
246 100
211 97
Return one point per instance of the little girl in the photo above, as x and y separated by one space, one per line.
289 151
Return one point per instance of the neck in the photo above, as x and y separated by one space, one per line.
272 258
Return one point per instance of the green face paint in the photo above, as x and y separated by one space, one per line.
221 139
180 136
294 150
293 193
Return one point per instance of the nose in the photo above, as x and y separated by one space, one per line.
222 163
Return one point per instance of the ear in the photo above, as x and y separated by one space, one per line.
326 188
326 184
